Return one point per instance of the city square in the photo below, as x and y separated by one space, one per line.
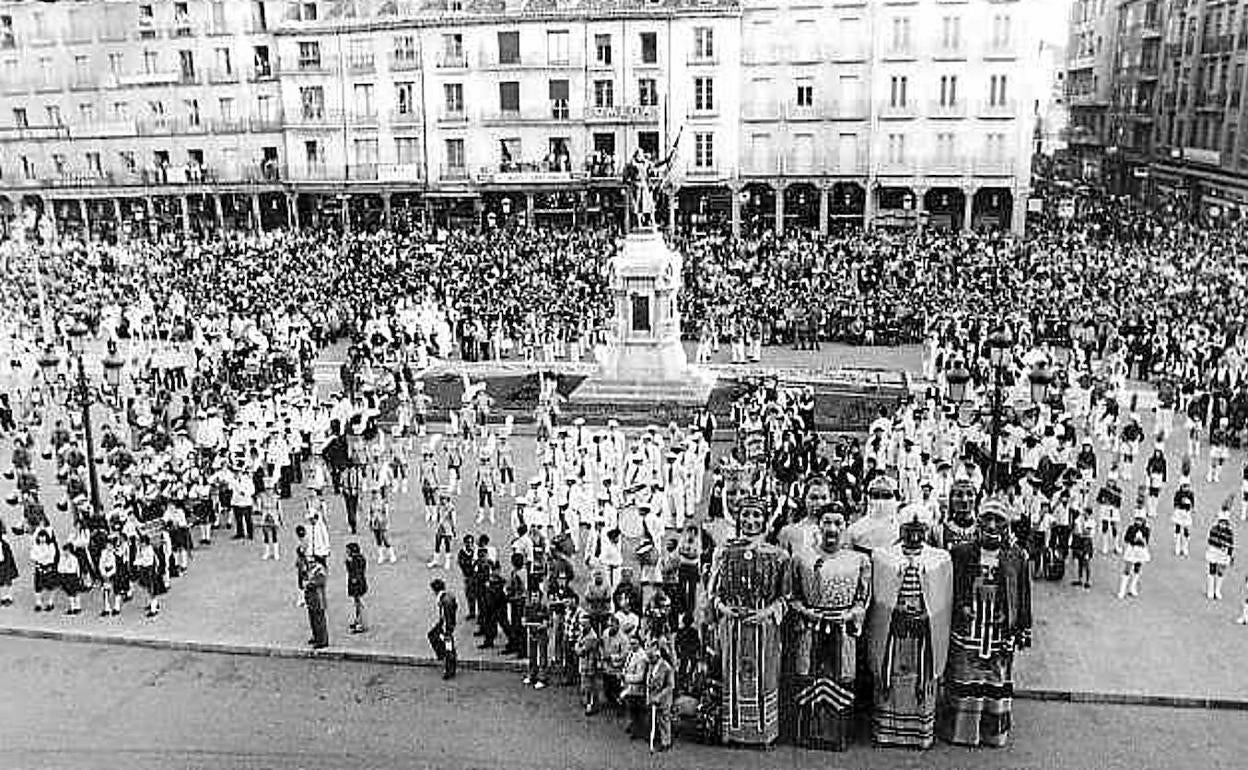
766 383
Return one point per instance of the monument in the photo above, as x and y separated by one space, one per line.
643 368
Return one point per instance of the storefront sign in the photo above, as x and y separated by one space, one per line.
623 112
1197 155
526 177
399 172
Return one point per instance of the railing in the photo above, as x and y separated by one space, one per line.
28 133
849 109
453 116
362 172
50 86
317 117
409 117
898 167
695 170
170 126
452 60
946 109
698 60
993 167
951 51
260 74
903 51
559 109
890 111
322 65
453 173
361 65
1000 49
760 53
765 111
363 118
219 76
228 125
401 172
1007 108
266 123
85 82
804 112
947 165
404 61
849 50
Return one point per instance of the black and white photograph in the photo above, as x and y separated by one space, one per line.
612 384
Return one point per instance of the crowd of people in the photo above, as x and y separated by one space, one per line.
637 564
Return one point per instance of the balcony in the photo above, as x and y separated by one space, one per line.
850 51
218 76
802 112
849 108
322 65
362 172
1151 29
261 124
998 109
952 52
766 110
702 171
891 111
263 73
149 78
453 173
83 82
453 117
702 60
898 167
703 113
400 172
760 53
1000 50
1211 101
116 35
405 117
228 125
404 61
16 86
623 113
1081 63
852 166
902 52
529 172
993 167
29 133
319 172
939 110
110 129
361 65
451 60
317 116
50 86
947 165
363 118
163 126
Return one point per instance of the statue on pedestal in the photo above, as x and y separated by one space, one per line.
909 635
831 593
748 589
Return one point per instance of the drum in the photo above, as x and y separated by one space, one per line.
630 522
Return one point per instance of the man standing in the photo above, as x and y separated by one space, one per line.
314 598
442 635
660 691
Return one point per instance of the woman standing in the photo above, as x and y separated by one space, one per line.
357 585
1219 552
149 563
1081 545
43 555
1135 554
8 570
69 577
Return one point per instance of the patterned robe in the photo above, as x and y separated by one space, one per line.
909 623
750 576
823 649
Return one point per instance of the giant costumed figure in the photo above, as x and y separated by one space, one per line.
748 588
909 634
878 529
991 620
831 593
960 525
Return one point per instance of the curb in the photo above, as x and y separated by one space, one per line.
417 661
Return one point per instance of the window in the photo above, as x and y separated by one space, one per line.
647 92
559 90
58 163
94 167
264 68
362 102
951 33
805 94
508 47
405 50
604 93
150 63
948 90
312 153
120 111
301 10
82 68
1001 31
453 50
945 147
360 56
901 34
7 40
264 108
86 113
703 43
649 48
704 150
455 154
309 55
312 101
509 97
156 108
896 148
407 150
454 98
897 90
509 152
116 63
45 70
19 118
703 94
225 108
557 47
602 50
28 168
54 115
181 20
405 98
192 112
366 152
996 91
218 16
225 66
186 64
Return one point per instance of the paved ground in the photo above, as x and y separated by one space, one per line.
1171 641
87 706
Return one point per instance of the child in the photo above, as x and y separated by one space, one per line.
1181 517
588 659
357 585
43 555
379 523
1135 555
270 519
1156 469
107 568
1219 552
444 532
1081 544
429 483
1219 450
465 559
301 567
69 577
487 485
8 570
688 651
1108 504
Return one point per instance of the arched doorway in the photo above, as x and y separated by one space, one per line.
801 206
503 209
896 207
847 205
704 207
758 211
367 213
945 208
992 209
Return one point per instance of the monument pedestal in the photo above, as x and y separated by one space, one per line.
643 373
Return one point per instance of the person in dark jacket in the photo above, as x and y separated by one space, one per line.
314 598
8 569
357 585
442 635
492 607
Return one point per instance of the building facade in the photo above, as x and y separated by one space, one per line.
1090 76
126 118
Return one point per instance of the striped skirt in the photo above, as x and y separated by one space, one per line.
905 711
979 694
751 682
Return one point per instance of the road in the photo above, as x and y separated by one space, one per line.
84 706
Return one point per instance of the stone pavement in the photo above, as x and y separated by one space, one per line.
1169 642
